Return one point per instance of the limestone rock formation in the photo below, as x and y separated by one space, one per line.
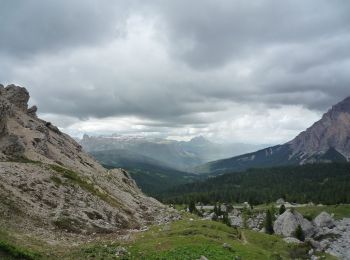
324 220
287 223
47 181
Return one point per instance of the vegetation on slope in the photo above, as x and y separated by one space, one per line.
152 178
189 238
319 183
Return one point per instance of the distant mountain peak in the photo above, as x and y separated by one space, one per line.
331 131
199 140
327 140
343 106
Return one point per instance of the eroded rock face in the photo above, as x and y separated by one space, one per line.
16 95
332 131
287 223
47 181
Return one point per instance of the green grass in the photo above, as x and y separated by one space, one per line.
339 211
23 159
9 249
14 252
189 239
74 178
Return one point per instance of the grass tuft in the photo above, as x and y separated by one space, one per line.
16 252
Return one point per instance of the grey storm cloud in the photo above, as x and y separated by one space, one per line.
36 26
175 62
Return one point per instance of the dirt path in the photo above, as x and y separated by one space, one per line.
243 238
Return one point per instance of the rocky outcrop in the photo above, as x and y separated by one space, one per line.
16 95
287 223
338 245
324 220
47 181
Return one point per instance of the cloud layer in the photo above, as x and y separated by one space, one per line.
247 71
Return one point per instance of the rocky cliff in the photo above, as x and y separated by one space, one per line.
327 140
48 183
331 132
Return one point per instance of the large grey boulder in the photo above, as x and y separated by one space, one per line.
236 221
287 223
324 220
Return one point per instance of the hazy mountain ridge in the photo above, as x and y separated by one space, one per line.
150 175
180 155
327 140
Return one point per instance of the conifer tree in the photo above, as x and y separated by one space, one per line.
282 209
299 233
268 222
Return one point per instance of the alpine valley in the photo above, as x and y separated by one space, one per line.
58 202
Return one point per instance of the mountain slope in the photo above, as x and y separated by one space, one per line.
48 184
150 175
327 140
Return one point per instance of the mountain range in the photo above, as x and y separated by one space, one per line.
327 140
179 155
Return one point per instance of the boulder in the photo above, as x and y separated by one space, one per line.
280 201
236 221
324 220
32 111
287 223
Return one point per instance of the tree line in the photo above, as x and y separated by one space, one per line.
326 183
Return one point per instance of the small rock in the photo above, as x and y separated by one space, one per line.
292 240
227 246
121 251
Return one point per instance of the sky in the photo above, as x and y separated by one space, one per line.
254 72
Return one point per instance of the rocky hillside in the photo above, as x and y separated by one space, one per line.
48 183
328 140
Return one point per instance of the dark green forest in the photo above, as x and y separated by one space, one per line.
326 183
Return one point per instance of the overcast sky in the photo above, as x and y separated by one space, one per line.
233 70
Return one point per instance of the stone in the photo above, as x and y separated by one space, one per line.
121 251
315 244
324 220
287 223
227 246
291 240
236 221
32 111
280 201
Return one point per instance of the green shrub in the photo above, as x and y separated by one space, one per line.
84 184
282 209
299 233
16 252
